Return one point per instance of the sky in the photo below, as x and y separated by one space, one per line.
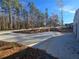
69 8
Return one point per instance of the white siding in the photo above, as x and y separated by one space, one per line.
76 24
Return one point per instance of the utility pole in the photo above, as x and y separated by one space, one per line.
60 5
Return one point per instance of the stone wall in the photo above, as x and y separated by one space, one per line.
76 24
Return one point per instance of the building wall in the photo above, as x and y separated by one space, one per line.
76 24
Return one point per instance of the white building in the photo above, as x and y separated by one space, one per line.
76 24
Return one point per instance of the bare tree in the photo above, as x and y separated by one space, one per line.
54 20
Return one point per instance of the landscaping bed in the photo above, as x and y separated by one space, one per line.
9 48
12 50
31 53
32 31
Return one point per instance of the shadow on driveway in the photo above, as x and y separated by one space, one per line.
58 46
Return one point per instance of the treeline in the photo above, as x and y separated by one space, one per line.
14 16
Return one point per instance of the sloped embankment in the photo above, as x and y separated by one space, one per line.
12 50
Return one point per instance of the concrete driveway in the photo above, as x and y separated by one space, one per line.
27 39
63 47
